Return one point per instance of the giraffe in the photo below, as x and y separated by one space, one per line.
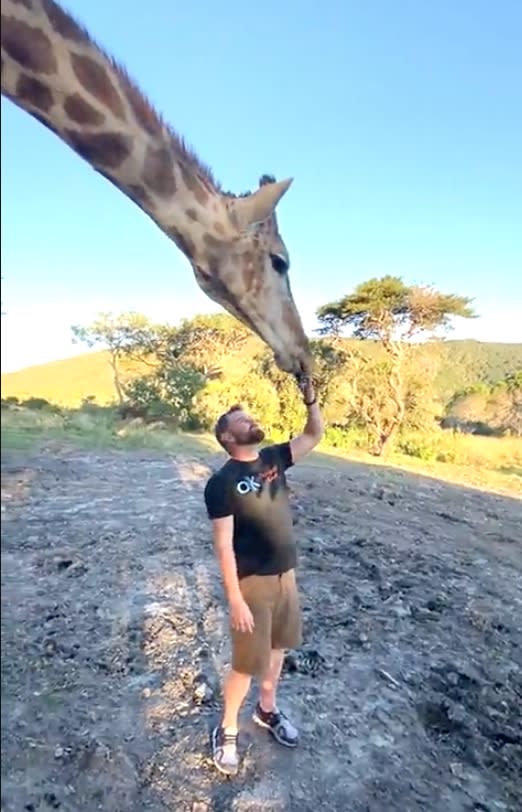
52 69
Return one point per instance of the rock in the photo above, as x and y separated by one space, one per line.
77 569
202 691
421 613
436 604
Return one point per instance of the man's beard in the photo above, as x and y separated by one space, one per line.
254 436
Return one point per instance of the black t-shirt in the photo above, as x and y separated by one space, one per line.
256 495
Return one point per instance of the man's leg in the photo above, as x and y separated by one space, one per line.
286 633
270 680
250 657
235 689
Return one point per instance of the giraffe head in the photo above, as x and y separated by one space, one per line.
247 272
53 69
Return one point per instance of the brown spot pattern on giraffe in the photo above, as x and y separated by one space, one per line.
193 184
28 46
158 173
214 245
107 150
192 214
218 227
95 79
143 111
81 111
184 243
34 92
221 291
63 23
139 194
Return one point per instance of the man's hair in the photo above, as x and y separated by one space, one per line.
222 423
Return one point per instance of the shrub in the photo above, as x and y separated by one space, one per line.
40 404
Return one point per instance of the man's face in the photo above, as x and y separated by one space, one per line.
243 429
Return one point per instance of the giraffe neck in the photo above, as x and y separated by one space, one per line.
54 71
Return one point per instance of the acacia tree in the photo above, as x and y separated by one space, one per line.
393 313
120 335
183 359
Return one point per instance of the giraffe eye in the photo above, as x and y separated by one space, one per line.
279 263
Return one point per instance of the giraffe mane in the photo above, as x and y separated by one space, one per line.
149 116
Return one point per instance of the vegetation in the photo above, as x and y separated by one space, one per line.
493 464
382 390
392 313
489 409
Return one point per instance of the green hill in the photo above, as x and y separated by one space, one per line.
68 381
468 362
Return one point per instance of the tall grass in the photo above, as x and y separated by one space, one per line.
91 429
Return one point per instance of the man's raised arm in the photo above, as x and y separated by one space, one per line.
314 427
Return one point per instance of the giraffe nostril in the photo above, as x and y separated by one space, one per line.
279 263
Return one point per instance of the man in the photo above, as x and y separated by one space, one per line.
247 502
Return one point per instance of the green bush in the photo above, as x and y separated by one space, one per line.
40 404
345 439
421 446
10 401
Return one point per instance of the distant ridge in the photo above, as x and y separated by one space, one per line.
68 381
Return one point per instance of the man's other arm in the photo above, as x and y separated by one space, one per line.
314 427
223 534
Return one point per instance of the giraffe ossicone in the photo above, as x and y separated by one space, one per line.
53 69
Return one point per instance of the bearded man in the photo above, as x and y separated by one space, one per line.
248 505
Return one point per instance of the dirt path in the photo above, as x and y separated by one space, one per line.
408 694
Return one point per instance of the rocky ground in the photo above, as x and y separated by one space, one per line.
408 689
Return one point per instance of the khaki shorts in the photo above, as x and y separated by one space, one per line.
274 603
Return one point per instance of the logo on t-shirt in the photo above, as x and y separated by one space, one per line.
248 485
251 484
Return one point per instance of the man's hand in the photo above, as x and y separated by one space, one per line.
240 615
306 386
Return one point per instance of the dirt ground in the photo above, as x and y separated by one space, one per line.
407 692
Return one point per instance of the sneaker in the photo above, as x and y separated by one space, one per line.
278 724
224 751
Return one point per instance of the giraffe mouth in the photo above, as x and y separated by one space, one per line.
302 376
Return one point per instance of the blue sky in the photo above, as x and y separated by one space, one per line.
400 120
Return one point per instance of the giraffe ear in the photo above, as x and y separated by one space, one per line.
258 206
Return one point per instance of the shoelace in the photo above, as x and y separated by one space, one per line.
226 739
